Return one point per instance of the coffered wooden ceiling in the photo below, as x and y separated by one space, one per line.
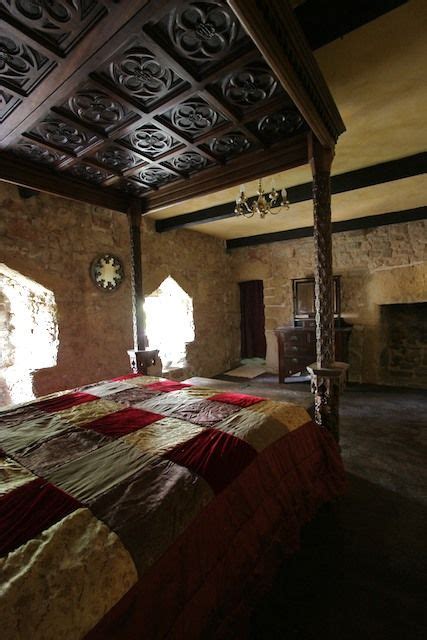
157 100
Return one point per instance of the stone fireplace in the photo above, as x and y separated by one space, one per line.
403 357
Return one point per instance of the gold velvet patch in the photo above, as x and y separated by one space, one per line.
255 428
12 475
290 415
162 435
60 584
83 413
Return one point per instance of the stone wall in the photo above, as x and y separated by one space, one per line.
200 265
384 265
53 241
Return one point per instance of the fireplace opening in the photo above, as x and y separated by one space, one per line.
403 357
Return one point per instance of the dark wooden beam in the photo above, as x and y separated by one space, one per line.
274 29
137 290
355 224
357 179
290 154
140 357
26 174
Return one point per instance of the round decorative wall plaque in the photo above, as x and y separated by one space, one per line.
107 272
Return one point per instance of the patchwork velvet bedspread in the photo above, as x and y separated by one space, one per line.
142 507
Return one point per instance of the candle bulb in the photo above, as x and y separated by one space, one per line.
242 188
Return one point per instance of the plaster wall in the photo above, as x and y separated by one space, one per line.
384 265
53 241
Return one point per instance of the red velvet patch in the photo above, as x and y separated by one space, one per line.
30 509
123 422
217 456
65 402
129 376
167 385
240 399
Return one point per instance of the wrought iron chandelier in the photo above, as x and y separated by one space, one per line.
263 203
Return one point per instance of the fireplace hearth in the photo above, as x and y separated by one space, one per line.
404 354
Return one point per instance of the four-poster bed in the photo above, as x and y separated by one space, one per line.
134 107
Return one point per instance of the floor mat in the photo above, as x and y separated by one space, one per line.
246 371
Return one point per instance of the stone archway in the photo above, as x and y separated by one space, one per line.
28 334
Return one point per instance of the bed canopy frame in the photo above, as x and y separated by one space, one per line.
135 105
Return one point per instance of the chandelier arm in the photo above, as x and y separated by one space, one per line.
249 213
264 203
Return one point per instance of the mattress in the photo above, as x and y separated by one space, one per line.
140 507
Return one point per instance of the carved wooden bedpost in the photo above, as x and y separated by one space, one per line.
327 376
140 358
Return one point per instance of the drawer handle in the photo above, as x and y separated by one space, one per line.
295 348
294 338
294 359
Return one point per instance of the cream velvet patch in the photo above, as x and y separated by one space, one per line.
144 380
60 584
102 389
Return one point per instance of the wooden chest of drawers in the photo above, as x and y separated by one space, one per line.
297 348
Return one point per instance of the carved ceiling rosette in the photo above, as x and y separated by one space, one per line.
250 86
155 176
60 21
203 31
44 15
189 161
140 74
278 125
194 117
87 172
97 108
230 144
116 159
62 134
20 65
152 141
37 154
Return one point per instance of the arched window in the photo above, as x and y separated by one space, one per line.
28 334
169 322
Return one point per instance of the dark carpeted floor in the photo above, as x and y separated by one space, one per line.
361 572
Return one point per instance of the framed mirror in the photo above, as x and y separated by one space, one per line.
303 295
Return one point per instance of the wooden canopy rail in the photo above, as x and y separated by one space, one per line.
140 104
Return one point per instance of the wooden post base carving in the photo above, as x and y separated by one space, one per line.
141 360
326 384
